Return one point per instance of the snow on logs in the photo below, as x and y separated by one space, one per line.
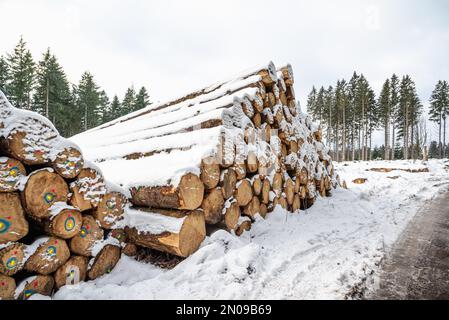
56 209
177 232
230 151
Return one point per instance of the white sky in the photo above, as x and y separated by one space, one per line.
172 47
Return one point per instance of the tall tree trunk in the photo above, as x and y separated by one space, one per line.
392 142
352 136
412 151
343 139
439 138
406 133
444 137
387 139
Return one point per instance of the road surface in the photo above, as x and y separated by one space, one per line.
418 265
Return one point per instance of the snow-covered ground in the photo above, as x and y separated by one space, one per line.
320 253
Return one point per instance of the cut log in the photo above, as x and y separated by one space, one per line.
48 257
11 173
210 172
182 241
303 176
212 206
13 225
90 232
72 272
296 205
252 208
7 287
280 200
289 190
251 162
41 284
64 224
87 189
232 215
263 210
31 142
68 162
42 190
257 120
257 185
277 183
242 227
120 235
110 209
228 183
240 170
266 187
130 250
188 195
104 261
12 259
243 193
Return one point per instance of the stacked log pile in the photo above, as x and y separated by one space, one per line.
57 213
222 156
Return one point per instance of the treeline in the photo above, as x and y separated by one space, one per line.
42 86
350 112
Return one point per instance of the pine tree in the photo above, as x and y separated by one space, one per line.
4 75
408 114
128 101
433 150
88 101
394 105
21 72
115 109
104 108
142 99
384 105
352 111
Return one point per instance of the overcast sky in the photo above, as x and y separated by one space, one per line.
172 47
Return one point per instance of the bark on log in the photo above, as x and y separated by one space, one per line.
48 257
68 162
104 261
90 232
243 193
7 287
212 206
266 187
13 225
231 216
65 224
41 284
228 183
210 172
110 209
87 189
242 227
130 249
12 259
188 195
252 208
72 272
182 243
11 172
42 190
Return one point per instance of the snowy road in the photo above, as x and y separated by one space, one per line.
418 266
